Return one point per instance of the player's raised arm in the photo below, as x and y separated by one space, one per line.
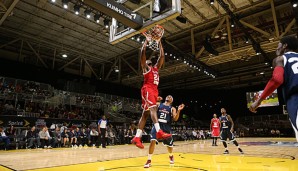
161 58
175 113
275 81
143 55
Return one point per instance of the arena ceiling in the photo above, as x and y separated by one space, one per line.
38 32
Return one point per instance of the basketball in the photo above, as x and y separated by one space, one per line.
156 34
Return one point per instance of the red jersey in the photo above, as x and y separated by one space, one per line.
215 123
151 77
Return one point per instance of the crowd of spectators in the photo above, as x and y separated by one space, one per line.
264 126
20 98
46 111
31 99
70 136
23 87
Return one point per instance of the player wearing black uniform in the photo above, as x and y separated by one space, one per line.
285 72
166 113
227 128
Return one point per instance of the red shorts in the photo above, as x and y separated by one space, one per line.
149 97
215 132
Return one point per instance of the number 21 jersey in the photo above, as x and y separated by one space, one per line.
164 114
291 74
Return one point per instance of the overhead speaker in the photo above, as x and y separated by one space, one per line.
207 45
181 19
135 1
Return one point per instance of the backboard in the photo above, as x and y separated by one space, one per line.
172 10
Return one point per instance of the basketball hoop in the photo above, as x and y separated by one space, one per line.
153 37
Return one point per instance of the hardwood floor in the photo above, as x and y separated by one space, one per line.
260 154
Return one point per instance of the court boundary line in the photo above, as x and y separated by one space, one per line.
8 167
135 157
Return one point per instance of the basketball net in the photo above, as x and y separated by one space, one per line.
153 37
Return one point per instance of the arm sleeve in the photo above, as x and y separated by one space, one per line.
276 80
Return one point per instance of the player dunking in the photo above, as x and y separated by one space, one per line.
285 72
215 129
227 128
149 94
165 114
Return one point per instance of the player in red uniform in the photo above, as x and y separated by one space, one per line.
149 94
215 129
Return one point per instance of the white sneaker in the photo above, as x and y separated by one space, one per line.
49 147
148 164
171 159
45 147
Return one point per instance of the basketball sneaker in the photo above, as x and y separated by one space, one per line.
171 159
162 135
240 150
137 142
226 152
148 164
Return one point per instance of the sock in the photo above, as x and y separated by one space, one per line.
170 154
139 133
156 125
149 156
295 130
225 145
236 143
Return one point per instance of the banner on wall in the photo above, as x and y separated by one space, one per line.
40 122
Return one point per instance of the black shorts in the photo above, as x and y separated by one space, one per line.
225 134
292 109
167 129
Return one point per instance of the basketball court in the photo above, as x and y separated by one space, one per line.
261 154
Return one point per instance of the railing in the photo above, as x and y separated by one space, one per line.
28 114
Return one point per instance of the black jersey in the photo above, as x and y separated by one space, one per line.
164 114
225 123
290 85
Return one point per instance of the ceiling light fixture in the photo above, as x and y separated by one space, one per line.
96 17
65 3
232 23
246 40
116 69
76 9
87 13
295 3
106 22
